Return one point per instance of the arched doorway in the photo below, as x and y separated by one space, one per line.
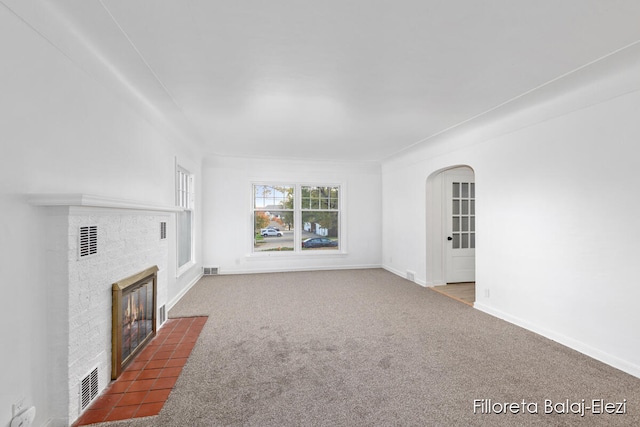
451 227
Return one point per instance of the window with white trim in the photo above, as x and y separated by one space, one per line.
296 217
184 218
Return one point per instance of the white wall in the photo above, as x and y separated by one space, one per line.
228 224
62 132
556 189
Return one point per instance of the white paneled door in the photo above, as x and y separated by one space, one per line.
460 203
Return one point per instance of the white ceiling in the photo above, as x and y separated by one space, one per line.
334 79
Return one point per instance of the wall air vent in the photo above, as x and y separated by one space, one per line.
88 241
210 271
88 389
163 230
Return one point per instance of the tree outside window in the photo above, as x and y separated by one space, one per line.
273 218
320 217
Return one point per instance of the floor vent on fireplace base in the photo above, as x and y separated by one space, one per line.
88 389
163 314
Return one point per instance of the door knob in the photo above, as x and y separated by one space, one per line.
449 238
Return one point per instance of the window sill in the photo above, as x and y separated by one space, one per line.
185 268
293 255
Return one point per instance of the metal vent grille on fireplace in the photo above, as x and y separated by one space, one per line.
88 241
163 314
88 388
163 230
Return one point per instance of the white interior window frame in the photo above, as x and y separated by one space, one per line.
185 199
297 215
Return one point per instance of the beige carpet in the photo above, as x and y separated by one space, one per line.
367 348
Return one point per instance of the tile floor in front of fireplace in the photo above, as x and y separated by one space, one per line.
144 386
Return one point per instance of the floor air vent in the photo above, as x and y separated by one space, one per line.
210 271
88 389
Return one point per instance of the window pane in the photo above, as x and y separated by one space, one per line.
319 198
472 209
465 240
320 230
465 207
273 231
472 221
456 189
472 188
472 242
465 223
324 203
456 223
184 188
465 190
456 207
456 241
315 197
333 195
273 197
184 237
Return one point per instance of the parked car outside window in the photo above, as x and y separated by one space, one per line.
319 242
270 232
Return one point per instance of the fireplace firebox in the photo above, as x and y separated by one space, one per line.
134 317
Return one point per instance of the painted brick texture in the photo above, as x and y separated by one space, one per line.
128 242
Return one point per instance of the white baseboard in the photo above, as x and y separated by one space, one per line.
404 276
225 271
611 360
182 293
394 271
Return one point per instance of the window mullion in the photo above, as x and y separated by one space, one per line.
297 218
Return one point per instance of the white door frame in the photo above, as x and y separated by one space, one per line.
436 227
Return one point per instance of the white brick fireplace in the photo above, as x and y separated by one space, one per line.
91 243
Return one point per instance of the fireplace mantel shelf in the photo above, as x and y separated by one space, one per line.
88 200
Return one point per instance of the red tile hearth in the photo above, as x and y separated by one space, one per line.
146 383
